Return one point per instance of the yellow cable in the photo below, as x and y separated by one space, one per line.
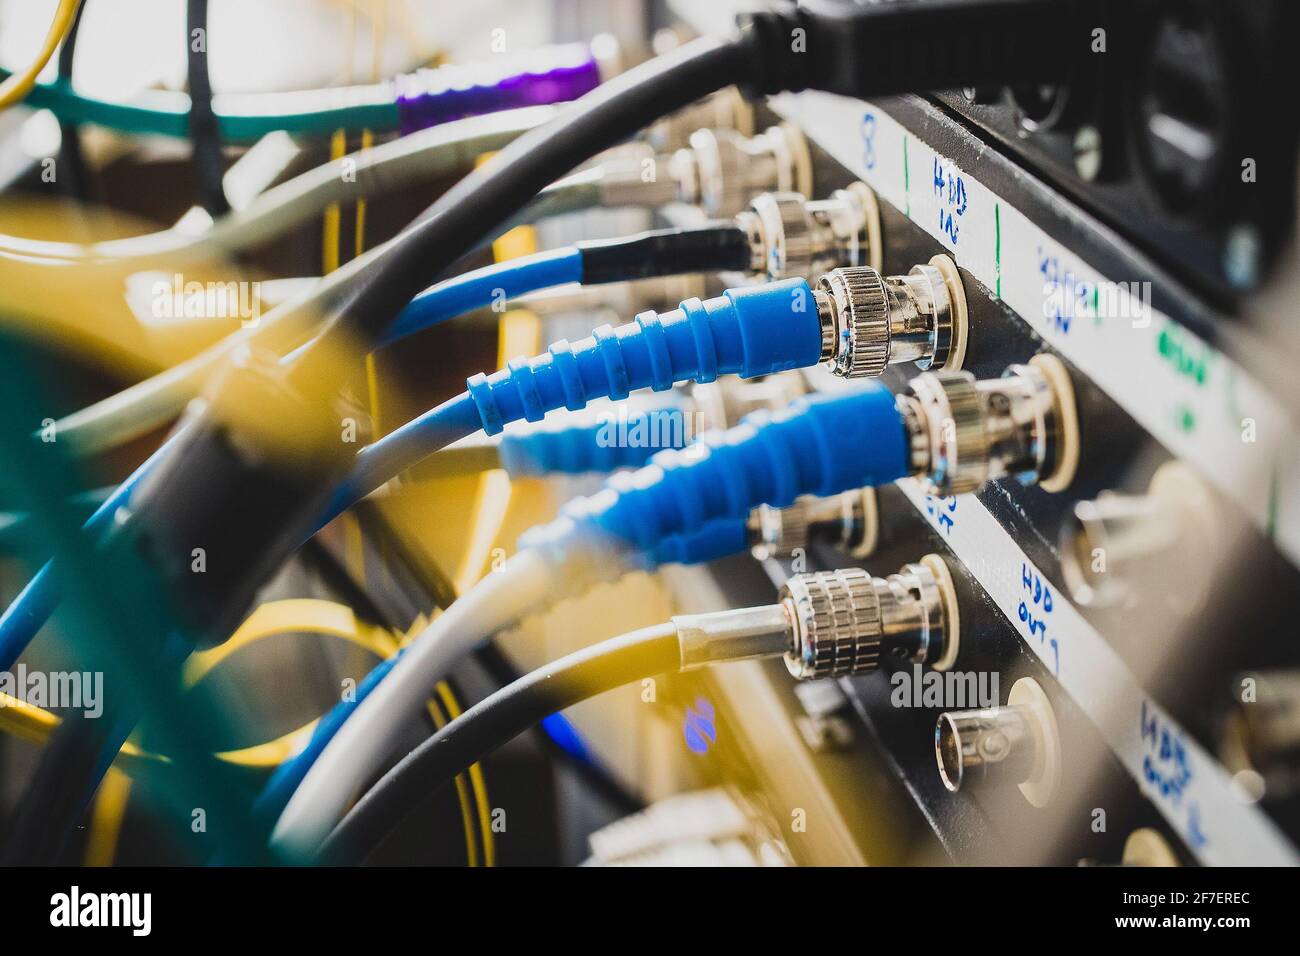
15 89
106 818
25 721
35 725
330 230
477 780
359 233
296 615
462 792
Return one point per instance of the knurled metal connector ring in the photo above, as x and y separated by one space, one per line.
954 426
781 530
861 305
836 623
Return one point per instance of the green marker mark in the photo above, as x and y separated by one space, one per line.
1188 360
907 181
997 248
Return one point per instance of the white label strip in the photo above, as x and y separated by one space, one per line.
1192 398
1186 784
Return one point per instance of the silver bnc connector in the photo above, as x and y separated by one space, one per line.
1118 546
721 170
844 621
791 236
871 321
834 623
743 634
848 521
1017 743
964 432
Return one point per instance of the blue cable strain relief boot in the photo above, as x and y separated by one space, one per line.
717 539
819 445
613 442
748 331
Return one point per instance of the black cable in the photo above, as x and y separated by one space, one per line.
205 134
467 212
74 174
493 722
666 252
595 777
855 50
55 796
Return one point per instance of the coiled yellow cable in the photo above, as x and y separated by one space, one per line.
15 89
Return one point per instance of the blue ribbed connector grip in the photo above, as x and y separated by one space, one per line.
749 331
717 539
821 445
618 441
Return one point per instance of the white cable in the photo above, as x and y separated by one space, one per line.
391 166
524 583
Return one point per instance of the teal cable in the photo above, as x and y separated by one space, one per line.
241 118
409 102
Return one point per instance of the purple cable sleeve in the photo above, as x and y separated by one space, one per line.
430 97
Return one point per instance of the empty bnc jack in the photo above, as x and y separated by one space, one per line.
1260 740
1118 545
870 321
1017 743
843 622
964 432
849 521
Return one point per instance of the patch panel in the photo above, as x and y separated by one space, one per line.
823 434
1159 379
